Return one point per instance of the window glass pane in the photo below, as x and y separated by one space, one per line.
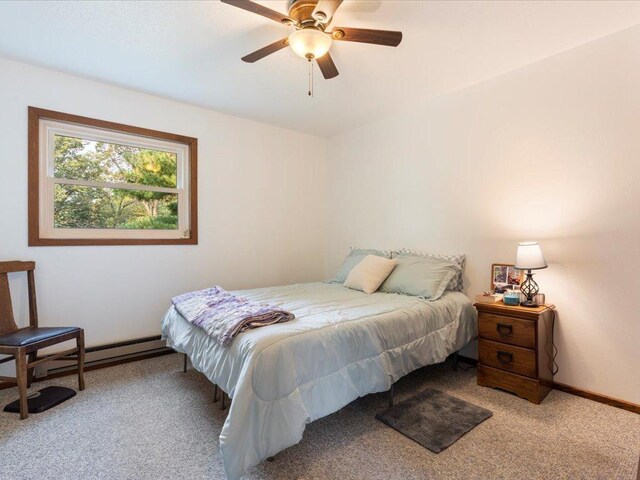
79 159
90 207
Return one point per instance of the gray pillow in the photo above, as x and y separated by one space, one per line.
354 258
456 282
420 276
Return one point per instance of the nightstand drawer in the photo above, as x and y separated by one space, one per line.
507 357
515 331
524 387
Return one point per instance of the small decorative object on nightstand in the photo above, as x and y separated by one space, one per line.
511 297
515 349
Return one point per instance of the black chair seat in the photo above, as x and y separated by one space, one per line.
27 336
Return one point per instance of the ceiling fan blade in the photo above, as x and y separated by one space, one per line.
327 67
268 50
366 35
325 9
260 10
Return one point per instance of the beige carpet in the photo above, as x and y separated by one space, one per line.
147 420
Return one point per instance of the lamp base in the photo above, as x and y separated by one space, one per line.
529 289
529 304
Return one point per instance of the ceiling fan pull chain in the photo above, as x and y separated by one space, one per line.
310 78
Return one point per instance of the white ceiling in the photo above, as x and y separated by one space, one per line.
190 51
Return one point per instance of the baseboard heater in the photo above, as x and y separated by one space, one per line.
105 355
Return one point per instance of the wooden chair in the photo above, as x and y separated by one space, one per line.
22 344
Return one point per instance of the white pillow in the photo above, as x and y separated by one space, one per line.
369 274
355 257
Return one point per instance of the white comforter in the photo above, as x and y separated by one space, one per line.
343 344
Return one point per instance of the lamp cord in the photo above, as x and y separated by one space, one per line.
553 366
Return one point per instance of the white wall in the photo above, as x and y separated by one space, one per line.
261 210
550 152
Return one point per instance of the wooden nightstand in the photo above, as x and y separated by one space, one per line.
515 348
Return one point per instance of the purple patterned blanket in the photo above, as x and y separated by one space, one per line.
224 316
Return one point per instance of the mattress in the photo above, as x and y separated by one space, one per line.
343 344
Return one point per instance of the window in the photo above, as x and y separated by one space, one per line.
93 182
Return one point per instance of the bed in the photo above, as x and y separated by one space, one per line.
343 344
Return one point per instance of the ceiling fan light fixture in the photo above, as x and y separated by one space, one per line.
310 43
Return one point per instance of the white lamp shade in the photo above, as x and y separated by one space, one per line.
529 256
309 42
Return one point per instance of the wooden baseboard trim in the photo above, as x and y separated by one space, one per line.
88 368
112 363
124 343
597 397
579 392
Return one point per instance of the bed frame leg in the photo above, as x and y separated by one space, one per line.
271 459
224 397
215 393
391 392
184 366
455 361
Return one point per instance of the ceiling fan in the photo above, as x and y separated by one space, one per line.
312 39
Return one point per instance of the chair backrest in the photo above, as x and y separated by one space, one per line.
7 322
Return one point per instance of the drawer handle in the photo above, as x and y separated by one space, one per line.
505 357
504 329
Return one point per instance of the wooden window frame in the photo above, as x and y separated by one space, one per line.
35 238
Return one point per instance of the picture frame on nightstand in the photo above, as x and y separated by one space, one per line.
505 276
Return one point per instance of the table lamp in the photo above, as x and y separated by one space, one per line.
529 257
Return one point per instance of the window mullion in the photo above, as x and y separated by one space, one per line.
122 186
